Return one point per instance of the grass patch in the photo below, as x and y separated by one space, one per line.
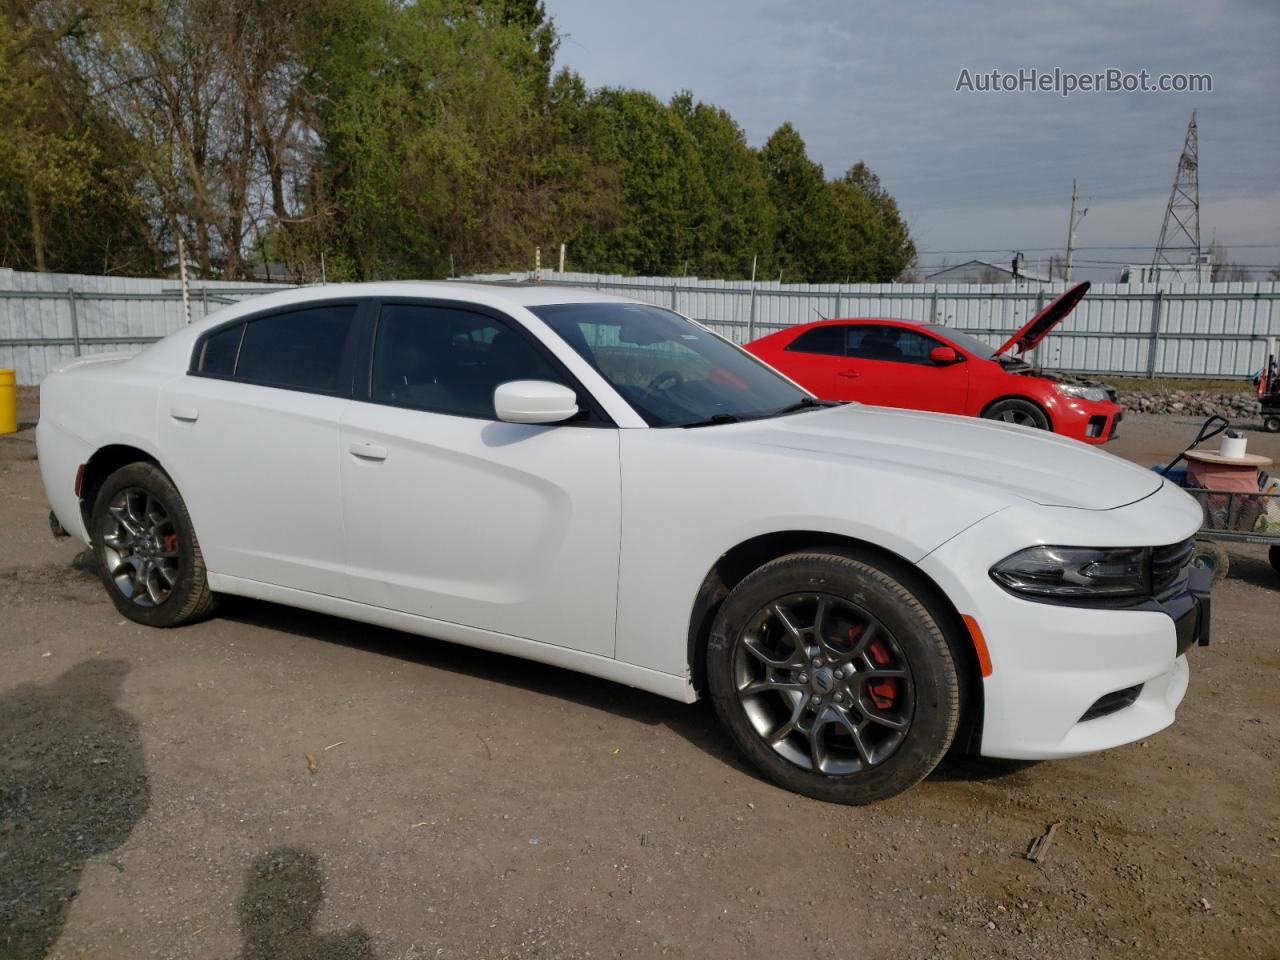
1178 385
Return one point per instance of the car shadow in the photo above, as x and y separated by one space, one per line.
278 906
73 785
696 723
1256 570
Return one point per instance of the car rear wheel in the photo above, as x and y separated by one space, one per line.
833 677
1274 556
147 550
1022 412
1271 424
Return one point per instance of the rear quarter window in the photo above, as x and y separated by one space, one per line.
217 356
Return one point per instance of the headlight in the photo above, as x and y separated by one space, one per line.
1093 394
1069 574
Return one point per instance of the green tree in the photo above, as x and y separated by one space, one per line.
741 217
68 179
797 190
666 206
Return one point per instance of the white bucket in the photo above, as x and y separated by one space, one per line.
1233 447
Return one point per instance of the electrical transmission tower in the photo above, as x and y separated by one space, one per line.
1180 234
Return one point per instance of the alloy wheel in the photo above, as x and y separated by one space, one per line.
823 683
140 547
1017 416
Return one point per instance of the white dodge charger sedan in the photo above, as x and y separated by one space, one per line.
608 486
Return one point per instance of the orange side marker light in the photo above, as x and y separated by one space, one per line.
979 643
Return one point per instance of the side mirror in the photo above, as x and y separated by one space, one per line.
534 401
944 356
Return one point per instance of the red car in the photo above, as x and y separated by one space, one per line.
926 366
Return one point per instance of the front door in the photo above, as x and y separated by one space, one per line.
453 515
891 368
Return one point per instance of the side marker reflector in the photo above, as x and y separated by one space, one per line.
79 478
979 643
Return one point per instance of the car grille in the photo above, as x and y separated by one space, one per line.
1169 565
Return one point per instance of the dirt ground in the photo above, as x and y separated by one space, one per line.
278 784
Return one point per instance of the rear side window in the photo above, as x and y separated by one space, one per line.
218 352
300 350
828 341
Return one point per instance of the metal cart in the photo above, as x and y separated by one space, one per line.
1269 395
1229 517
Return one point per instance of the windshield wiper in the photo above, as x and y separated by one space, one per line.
714 420
804 403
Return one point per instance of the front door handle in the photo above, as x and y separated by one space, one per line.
185 414
367 451
849 374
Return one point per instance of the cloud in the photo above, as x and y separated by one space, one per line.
875 82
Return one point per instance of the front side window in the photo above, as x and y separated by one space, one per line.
446 360
300 350
671 371
870 342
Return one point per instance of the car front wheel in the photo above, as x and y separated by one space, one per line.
1022 412
147 550
833 677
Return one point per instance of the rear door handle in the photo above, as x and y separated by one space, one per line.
367 451
850 374
185 414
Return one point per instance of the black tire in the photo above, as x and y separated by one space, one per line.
1022 412
1274 556
161 604
1271 423
890 608
1213 555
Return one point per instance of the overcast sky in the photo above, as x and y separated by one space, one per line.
876 82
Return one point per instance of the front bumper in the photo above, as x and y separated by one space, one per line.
1088 422
1052 665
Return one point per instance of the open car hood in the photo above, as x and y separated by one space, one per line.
1038 327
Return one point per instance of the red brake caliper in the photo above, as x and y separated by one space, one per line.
883 691
171 542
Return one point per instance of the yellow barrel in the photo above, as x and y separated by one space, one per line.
8 402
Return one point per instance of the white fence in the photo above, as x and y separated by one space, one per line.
1197 330
1207 330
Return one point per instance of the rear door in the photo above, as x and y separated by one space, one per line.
251 434
891 367
454 515
816 358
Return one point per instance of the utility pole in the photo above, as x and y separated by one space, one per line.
1071 232
182 278
1072 222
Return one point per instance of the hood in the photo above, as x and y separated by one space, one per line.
1038 327
1030 464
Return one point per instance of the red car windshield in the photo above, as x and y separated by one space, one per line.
963 340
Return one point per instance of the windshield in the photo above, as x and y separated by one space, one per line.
672 372
964 341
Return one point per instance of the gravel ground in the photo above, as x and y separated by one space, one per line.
276 784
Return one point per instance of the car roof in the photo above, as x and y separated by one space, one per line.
497 295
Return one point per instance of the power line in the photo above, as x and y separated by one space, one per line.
1148 246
